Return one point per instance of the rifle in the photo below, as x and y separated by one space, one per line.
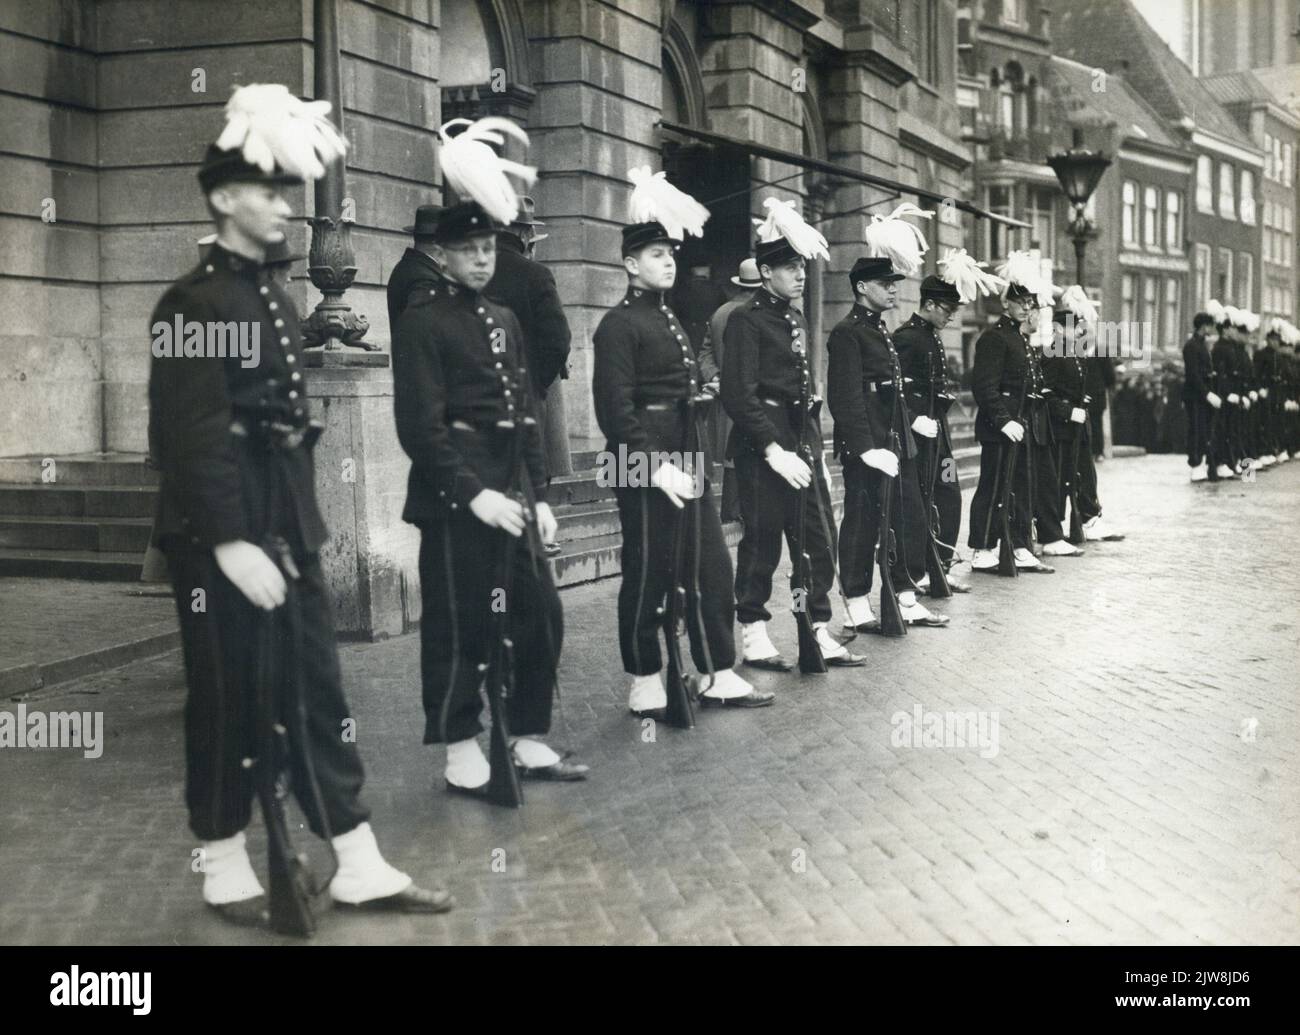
1076 535
295 894
891 617
810 654
503 783
1006 550
939 588
825 523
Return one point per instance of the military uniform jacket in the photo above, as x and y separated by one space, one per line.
210 418
1242 365
924 361
527 288
413 272
1066 379
864 386
765 374
643 358
458 371
1225 366
1266 366
1005 366
1199 376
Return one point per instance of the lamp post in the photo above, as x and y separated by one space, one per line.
1079 171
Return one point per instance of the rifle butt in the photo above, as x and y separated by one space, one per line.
939 588
811 661
503 784
678 712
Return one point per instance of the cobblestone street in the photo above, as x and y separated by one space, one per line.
1139 781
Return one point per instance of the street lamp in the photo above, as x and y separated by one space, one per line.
1079 171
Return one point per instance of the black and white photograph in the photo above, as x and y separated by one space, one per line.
576 473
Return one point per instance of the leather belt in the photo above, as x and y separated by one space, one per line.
659 407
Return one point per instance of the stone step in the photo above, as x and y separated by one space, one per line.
79 471
91 501
104 535
71 564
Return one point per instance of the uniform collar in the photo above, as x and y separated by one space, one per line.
238 265
869 316
454 289
645 299
763 297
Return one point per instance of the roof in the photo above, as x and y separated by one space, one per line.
1106 33
1284 84
1071 83
1234 87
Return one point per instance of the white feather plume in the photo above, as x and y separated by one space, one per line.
968 276
1291 333
892 238
475 171
1233 315
1216 310
271 127
1252 321
1023 269
784 220
655 200
1075 300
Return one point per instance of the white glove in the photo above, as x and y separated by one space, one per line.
1263 393
1013 430
1254 395
1078 415
789 466
927 427
882 460
1234 398
676 484
497 510
1213 400
253 573
547 526
1246 402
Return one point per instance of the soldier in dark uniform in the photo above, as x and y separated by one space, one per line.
527 288
1222 357
1200 398
646 382
873 440
1007 381
1289 371
233 437
416 268
766 385
1265 364
459 376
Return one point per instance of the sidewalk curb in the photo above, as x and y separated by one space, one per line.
20 681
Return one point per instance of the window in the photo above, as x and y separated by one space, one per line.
1202 267
1150 306
1204 184
926 13
1007 109
1246 280
1279 172
1173 319
1269 173
1126 298
1287 164
999 202
1223 278
1173 221
1130 212
1013 12
1248 197
1227 199
1151 217
1042 215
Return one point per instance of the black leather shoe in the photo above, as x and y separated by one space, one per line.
846 660
561 771
775 663
412 900
249 912
753 699
658 714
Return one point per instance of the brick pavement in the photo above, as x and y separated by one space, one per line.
1145 786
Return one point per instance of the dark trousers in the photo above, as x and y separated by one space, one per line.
1227 439
1200 424
459 587
860 531
220 634
1081 475
769 509
649 522
1043 505
942 485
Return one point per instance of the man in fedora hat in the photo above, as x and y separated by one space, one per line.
457 359
527 289
416 269
239 522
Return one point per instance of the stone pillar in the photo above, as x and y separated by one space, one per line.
371 557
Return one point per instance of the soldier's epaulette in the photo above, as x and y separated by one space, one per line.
424 295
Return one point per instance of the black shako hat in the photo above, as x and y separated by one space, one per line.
1019 293
637 235
463 221
426 221
871 267
936 289
774 253
221 167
